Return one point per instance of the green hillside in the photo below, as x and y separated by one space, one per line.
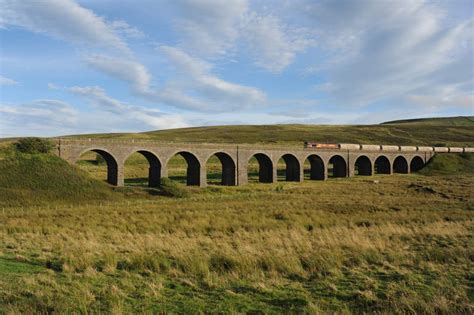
445 121
41 178
450 164
458 131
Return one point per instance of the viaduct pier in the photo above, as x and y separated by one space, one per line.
346 160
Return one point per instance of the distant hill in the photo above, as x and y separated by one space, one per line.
454 131
444 121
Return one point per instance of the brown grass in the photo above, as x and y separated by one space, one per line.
400 246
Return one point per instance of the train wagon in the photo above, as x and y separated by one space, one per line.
315 145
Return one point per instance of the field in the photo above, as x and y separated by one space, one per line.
69 243
455 131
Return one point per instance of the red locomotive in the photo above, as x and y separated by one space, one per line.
321 145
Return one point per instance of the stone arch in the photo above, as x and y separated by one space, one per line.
400 165
292 167
339 166
316 171
228 168
154 169
193 169
265 168
416 164
363 166
382 165
112 165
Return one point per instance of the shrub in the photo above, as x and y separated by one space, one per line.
55 264
33 145
172 189
222 263
99 159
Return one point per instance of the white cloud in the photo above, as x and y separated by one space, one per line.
53 86
218 94
387 50
192 87
52 110
7 81
125 112
444 97
64 19
98 97
273 44
232 26
126 30
128 70
209 26
39 117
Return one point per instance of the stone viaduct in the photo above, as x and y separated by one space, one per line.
346 161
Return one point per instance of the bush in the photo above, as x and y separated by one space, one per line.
172 189
55 264
99 159
33 145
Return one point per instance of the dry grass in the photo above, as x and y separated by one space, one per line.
403 245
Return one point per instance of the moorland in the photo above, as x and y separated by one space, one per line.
70 243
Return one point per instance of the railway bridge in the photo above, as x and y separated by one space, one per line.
345 160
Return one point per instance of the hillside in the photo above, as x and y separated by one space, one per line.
444 121
457 131
450 164
41 178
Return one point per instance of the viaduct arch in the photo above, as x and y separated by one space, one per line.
228 168
363 166
110 160
234 160
292 167
317 170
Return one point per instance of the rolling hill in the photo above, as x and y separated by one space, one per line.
454 131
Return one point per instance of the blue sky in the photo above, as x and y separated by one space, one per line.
89 66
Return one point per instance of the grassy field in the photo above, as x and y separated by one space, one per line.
458 131
402 245
399 244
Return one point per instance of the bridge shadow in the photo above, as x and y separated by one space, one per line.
253 177
214 178
138 181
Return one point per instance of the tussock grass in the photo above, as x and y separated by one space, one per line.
32 179
445 164
70 243
390 247
454 131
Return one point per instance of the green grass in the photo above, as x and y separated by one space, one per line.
444 121
458 132
398 245
46 179
70 243
445 164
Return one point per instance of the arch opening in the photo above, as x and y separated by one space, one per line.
260 169
142 168
314 168
400 165
363 166
221 169
288 168
100 164
416 164
382 165
185 167
337 167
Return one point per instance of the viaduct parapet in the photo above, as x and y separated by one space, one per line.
345 161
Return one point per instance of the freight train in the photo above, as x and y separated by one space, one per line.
373 147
